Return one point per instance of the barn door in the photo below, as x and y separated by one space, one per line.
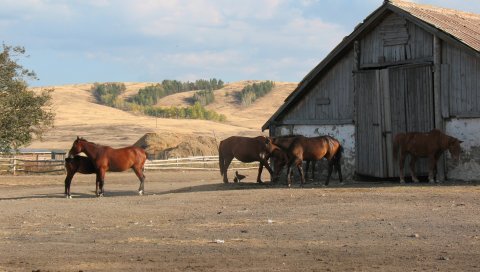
369 145
412 105
387 102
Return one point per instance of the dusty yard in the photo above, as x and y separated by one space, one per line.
190 221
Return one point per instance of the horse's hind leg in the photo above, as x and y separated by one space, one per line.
141 177
339 170
401 164
227 162
432 168
330 169
302 176
413 160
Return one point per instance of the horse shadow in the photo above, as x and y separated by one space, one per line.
217 187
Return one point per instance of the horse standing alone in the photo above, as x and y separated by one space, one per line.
429 145
245 149
105 158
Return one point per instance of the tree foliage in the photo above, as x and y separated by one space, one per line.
252 92
24 114
204 97
145 100
108 93
197 111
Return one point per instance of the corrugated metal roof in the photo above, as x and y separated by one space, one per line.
464 26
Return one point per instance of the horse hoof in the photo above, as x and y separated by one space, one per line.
259 181
140 192
68 196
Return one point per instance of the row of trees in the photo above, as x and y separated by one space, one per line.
252 92
110 94
24 114
150 95
197 111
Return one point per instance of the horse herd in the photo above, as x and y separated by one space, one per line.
285 151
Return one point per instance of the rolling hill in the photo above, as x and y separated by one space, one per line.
77 114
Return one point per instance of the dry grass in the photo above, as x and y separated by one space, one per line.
78 115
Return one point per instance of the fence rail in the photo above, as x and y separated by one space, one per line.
15 166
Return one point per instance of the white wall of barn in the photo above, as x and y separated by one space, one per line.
468 131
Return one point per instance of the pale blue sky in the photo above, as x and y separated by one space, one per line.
79 41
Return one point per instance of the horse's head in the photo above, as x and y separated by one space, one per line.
77 147
454 147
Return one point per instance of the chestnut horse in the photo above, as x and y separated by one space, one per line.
284 143
76 164
314 149
429 145
105 158
245 149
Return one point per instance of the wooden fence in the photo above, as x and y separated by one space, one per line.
16 166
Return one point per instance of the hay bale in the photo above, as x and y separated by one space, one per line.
173 145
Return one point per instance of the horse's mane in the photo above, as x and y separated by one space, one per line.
83 139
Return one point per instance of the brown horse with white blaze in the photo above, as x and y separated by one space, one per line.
429 145
106 158
245 149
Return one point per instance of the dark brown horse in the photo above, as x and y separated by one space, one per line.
284 143
76 164
245 149
429 145
105 158
314 149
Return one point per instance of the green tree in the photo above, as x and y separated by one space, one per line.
24 114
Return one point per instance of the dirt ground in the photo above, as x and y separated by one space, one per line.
190 221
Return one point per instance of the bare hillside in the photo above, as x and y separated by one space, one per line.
78 115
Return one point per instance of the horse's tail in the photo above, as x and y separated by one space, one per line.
221 160
397 141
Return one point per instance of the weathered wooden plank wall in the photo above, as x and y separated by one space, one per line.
395 40
461 82
330 100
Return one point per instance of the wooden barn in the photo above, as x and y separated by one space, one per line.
406 67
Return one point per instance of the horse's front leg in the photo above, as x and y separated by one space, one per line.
260 170
99 183
289 175
413 160
68 182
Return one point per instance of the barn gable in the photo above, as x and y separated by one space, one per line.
397 32
407 67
